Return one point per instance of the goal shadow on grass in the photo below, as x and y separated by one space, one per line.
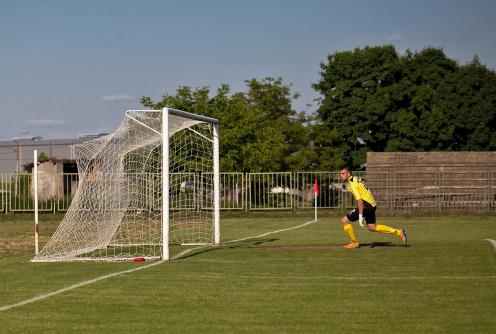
264 244
240 244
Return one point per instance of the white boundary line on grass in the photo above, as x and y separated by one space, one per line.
273 232
94 280
242 239
493 242
72 287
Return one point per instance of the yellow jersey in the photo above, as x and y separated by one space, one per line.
359 189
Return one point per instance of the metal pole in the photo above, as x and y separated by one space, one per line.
165 184
35 186
315 206
20 157
315 191
17 156
216 184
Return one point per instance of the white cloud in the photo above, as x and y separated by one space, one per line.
394 36
46 121
117 98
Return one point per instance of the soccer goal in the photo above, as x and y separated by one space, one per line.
152 183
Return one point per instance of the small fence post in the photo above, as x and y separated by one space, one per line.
35 190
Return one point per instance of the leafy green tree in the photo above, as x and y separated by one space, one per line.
358 89
468 97
259 129
375 100
43 157
415 122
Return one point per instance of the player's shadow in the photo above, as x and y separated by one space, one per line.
381 244
238 244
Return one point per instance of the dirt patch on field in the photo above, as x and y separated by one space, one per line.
16 246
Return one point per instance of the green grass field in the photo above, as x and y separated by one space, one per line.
296 281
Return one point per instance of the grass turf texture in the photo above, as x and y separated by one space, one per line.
296 281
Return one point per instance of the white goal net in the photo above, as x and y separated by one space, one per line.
119 211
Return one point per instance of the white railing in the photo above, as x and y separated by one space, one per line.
434 191
270 191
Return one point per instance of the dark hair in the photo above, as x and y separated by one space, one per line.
345 167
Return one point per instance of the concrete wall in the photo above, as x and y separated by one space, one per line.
50 181
433 179
431 161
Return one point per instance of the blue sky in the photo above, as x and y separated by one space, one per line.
73 67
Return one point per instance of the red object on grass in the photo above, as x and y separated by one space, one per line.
139 259
316 187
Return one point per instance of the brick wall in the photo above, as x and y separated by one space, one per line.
437 180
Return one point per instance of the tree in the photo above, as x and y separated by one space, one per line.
259 129
43 157
375 100
468 97
358 88
417 124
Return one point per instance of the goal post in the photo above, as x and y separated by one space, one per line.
151 184
165 170
165 184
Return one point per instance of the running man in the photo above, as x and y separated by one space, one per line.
365 210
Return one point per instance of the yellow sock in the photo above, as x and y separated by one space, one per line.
348 229
386 229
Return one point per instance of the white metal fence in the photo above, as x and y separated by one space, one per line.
440 191
270 191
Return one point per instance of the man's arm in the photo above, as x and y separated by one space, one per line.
360 212
360 206
354 190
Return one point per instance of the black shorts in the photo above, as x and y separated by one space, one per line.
368 213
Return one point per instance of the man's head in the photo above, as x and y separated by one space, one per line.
344 173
